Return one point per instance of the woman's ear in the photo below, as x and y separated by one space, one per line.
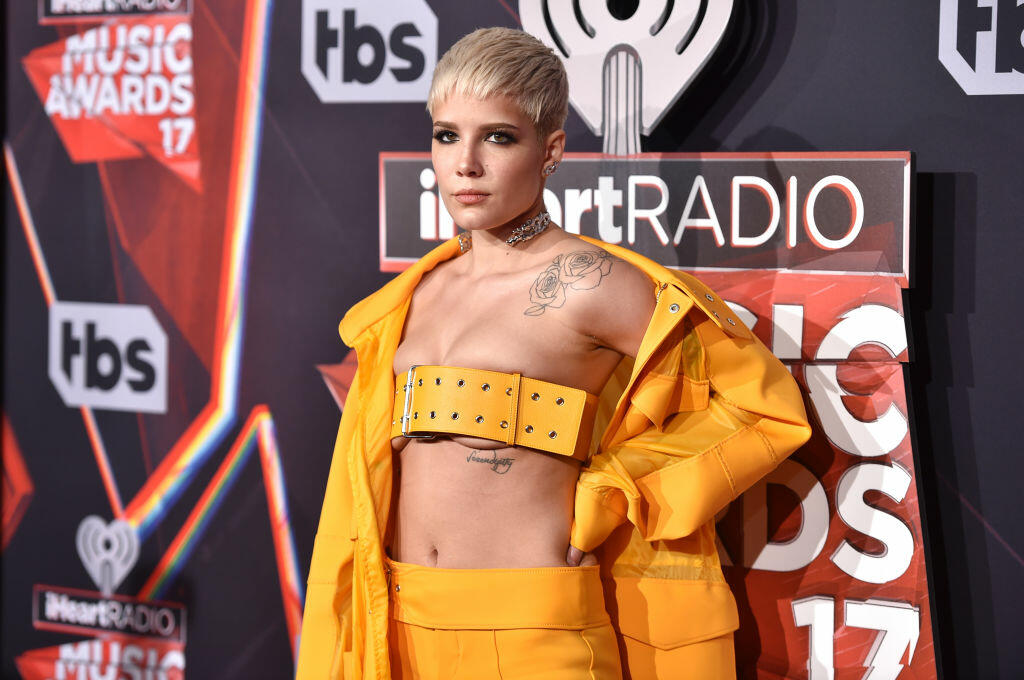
554 147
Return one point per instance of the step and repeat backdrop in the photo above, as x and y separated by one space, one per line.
197 190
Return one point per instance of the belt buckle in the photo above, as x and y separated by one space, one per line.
406 418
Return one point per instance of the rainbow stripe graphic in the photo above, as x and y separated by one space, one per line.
258 429
292 591
207 432
185 541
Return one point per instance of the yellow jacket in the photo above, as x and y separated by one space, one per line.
702 412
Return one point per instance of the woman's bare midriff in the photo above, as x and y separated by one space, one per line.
465 502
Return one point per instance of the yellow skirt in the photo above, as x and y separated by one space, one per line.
545 623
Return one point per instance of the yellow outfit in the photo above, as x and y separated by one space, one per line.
545 623
702 412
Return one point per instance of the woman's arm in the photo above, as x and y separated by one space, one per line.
717 414
617 319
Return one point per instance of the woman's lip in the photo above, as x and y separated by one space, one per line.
469 198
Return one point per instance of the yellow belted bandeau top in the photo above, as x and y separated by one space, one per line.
505 407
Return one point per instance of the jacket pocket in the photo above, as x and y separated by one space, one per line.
669 613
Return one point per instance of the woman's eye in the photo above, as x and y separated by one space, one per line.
500 138
445 136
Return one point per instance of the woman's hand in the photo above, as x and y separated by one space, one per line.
577 558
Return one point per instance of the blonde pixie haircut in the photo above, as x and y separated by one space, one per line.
504 61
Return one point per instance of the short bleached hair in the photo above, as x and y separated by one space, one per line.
504 61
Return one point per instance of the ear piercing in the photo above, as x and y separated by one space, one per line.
548 171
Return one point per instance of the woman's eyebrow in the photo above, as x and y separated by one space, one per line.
488 126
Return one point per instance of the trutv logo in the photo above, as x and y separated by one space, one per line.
981 44
108 356
368 51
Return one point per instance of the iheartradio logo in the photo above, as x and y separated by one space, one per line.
644 62
108 551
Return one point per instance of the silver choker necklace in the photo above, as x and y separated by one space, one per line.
529 228
523 232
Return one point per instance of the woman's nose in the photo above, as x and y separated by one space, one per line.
469 164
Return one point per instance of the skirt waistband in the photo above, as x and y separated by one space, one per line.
569 598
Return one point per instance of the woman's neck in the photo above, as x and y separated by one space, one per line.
491 252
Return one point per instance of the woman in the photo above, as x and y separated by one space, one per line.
540 430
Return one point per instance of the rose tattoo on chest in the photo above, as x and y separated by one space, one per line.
579 270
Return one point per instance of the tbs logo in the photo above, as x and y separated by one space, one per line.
368 51
981 44
108 356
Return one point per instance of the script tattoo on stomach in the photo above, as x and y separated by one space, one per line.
499 465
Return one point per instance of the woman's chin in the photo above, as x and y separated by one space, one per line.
476 220
471 220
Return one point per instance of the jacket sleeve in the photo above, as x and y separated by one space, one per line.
326 621
711 416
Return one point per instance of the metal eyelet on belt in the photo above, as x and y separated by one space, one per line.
552 434
528 429
715 314
559 401
461 382
455 415
710 297
504 424
673 308
479 419
508 391
485 387
535 396
433 415
731 322
415 415
437 381
419 383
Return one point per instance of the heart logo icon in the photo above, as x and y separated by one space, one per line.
108 551
625 72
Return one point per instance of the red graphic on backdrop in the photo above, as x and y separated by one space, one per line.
17 490
826 554
114 657
121 90
338 377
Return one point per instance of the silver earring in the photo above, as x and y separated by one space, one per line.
548 171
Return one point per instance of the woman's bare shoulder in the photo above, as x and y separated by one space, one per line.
601 295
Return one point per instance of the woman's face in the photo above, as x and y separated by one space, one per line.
489 161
